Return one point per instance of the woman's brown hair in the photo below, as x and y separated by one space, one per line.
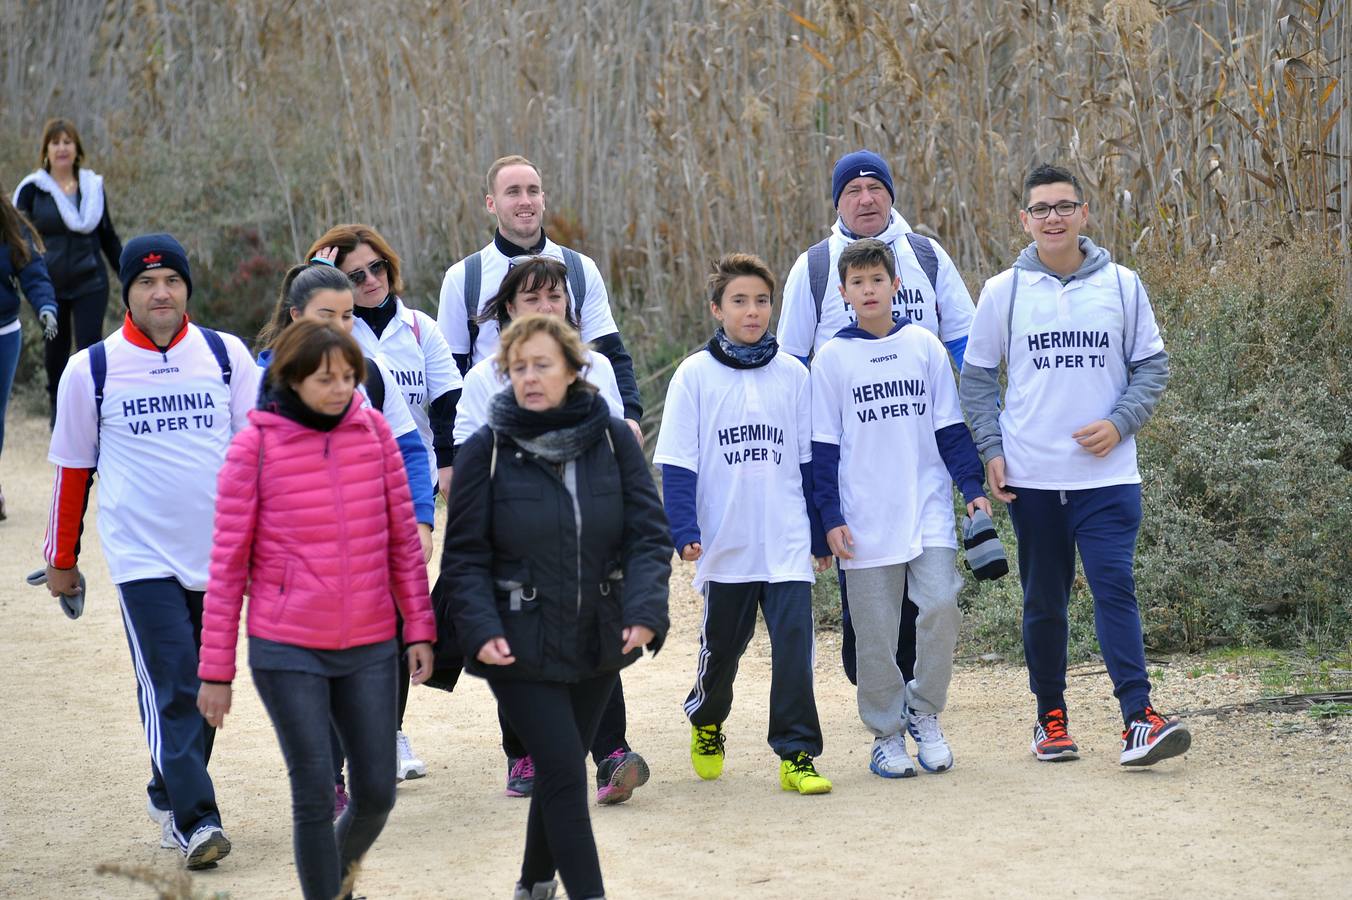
53 130
18 233
565 335
347 237
304 347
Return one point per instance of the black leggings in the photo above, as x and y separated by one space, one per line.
557 723
87 312
609 733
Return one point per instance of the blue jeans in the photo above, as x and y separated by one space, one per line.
1102 524
10 346
361 706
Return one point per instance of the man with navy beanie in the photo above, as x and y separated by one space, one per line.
153 407
932 295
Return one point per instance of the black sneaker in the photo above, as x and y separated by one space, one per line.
618 774
1150 737
520 776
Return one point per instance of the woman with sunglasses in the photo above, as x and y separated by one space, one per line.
538 284
411 346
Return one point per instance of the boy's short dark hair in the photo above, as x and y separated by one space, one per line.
867 254
735 265
1046 173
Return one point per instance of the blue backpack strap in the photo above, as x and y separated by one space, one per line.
577 281
474 270
218 350
818 270
98 368
928 259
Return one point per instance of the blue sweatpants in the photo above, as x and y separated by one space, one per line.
729 622
1102 523
164 630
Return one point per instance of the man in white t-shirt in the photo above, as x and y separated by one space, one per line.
516 199
1086 367
153 407
888 444
930 292
736 450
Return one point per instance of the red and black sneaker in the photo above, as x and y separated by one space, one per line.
1051 741
1150 737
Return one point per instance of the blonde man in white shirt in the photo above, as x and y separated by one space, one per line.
1086 367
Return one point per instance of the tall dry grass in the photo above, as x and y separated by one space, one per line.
668 132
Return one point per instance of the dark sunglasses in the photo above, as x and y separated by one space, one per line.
376 269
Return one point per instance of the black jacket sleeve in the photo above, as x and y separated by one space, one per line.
612 347
467 555
108 239
24 202
647 539
441 415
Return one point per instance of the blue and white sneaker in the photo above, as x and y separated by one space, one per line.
890 759
165 819
931 748
207 846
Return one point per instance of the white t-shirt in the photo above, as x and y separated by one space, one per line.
167 421
1066 369
881 401
946 312
483 381
420 362
744 432
597 319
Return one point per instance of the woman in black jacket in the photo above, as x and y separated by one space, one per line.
66 204
556 561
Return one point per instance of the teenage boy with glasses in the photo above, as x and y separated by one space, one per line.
1086 367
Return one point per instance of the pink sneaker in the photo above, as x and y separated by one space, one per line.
618 775
340 800
520 776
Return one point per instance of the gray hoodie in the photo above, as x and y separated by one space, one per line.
979 388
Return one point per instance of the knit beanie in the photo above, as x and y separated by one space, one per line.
985 553
152 251
859 164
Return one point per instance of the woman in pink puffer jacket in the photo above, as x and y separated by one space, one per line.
314 521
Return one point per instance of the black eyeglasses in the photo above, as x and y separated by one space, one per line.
377 269
1064 208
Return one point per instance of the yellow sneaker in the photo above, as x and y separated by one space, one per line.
798 774
706 750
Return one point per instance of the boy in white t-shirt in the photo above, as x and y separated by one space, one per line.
888 443
735 450
1086 367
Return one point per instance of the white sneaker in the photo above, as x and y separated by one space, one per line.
207 846
931 748
409 766
165 819
890 759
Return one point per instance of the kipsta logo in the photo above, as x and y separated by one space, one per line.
152 259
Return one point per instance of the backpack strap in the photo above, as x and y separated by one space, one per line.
818 270
1128 351
474 272
1009 316
218 350
375 385
923 249
98 368
493 459
417 327
577 280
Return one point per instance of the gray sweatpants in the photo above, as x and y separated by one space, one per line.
875 608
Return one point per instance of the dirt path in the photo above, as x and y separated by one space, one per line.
1261 807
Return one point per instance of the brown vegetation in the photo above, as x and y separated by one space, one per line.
671 132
